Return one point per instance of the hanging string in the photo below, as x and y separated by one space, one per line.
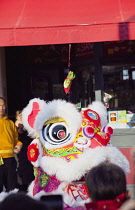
69 54
71 75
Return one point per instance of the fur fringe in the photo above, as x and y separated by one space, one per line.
76 168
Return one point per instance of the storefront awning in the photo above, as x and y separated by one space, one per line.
43 22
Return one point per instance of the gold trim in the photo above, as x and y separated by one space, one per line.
54 120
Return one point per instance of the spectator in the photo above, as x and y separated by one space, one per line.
128 205
106 185
9 144
25 168
18 201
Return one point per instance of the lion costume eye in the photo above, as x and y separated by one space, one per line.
92 116
56 133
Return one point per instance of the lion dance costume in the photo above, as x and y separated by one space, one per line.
67 144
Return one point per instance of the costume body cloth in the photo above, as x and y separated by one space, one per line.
8 140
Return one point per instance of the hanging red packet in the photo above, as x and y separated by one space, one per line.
68 81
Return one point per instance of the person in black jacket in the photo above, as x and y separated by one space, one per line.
25 168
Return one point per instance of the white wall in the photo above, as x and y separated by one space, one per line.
3 88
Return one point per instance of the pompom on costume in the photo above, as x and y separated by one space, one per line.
67 145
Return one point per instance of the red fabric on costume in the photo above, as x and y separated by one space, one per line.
33 114
32 152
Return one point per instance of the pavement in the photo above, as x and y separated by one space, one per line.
124 137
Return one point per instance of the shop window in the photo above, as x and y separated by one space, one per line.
125 74
119 83
133 75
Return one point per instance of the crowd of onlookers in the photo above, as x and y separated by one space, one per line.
105 183
106 186
15 169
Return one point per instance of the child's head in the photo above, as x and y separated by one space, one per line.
105 182
18 201
19 115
